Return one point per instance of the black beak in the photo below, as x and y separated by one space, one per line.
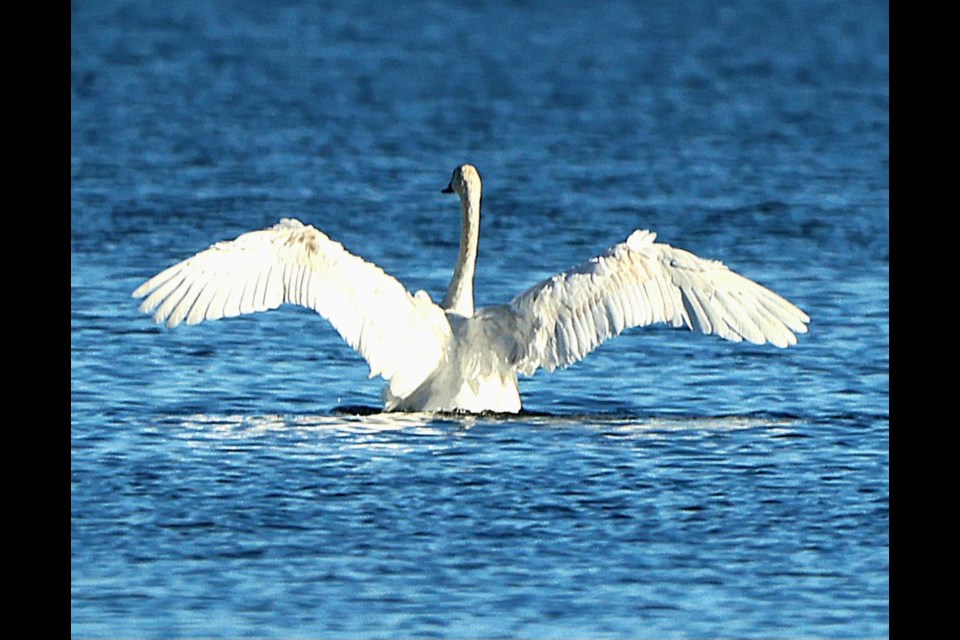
447 189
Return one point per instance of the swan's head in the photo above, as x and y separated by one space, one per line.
465 182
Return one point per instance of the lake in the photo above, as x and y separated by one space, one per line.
236 478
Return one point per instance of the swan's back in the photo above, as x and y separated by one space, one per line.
479 371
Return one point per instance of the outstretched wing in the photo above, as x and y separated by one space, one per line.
401 336
640 282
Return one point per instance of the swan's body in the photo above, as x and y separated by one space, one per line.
451 357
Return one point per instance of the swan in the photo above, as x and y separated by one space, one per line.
451 356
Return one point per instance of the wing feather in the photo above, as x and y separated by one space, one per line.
260 292
738 318
641 282
248 303
199 309
166 307
182 308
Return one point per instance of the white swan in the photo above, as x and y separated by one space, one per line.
452 357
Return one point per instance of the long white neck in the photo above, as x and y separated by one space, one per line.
459 298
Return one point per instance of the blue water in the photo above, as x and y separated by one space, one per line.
225 481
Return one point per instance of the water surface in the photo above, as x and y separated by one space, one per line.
234 478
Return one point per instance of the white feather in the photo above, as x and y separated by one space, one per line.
452 356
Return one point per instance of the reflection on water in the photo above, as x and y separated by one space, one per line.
203 426
243 426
